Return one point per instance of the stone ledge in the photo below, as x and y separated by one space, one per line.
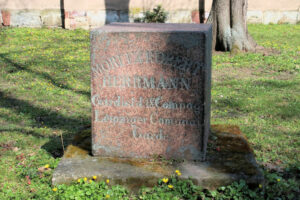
229 159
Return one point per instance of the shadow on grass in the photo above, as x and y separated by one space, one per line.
43 75
43 117
265 93
81 140
53 147
39 116
274 84
24 132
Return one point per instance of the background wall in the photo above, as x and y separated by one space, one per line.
93 13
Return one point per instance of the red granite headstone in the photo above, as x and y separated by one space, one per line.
151 90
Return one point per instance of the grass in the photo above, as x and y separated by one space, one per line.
45 92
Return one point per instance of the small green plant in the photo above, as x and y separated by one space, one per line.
158 15
90 190
172 188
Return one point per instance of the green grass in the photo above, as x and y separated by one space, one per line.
45 92
261 94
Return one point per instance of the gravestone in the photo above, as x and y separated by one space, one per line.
151 90
151 96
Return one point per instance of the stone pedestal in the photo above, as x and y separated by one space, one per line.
229 158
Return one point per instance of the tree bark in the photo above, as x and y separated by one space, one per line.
229 20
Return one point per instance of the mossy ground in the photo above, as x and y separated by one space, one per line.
45 93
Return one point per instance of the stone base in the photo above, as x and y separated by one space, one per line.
229 159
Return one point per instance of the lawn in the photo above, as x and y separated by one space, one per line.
45 92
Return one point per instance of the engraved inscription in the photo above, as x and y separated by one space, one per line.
144 82
119 119
157 102
153 119
148 91
137 133
178 63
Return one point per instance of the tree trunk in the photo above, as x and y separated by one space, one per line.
229 20
202 10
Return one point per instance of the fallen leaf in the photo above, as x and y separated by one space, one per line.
15 149
43 169
28 180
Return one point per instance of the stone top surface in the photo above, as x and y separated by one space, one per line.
153 27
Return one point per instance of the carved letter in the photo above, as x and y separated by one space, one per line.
149 84
157 100
114 81
162 84
159 57
113 61
128 58
138 57
185 83
174 83
117 102
108 67
94 99
160 135
152 118
149 57
137 82
97 69
96 115
198 66
106 81
134 131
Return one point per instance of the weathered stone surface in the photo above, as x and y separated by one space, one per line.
290 17
151 90
115 16
76 19
280 17
230 158
254 16
31 18
51 18
96 18
180 16
131 174
5 17
196 16
1 22
25 18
